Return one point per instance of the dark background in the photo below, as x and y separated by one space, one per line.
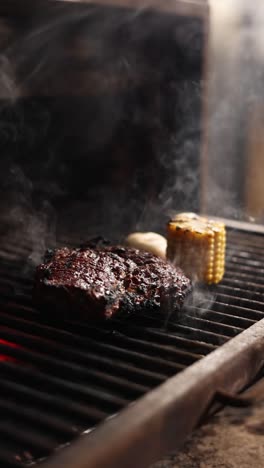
100 132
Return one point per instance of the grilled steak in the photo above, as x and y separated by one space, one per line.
96 281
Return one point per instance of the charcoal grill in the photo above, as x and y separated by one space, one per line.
147 384
76 394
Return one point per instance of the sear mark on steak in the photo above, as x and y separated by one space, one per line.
100 281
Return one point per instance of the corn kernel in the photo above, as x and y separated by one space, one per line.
197 245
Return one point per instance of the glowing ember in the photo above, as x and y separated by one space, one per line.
4 357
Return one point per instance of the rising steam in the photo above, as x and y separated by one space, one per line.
133 124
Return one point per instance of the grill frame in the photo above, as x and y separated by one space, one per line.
161 419
144 432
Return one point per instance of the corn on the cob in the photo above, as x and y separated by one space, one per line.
197 245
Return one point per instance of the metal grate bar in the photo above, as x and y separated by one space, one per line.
54 366
237 238
66 337
58 352
243 302
8 456
256 271
124 335
239 275
245 286
30 439
247 291
246 251
62 377
26 413
99 347
249 257
228 319
213 327
179 328
49 398
237 310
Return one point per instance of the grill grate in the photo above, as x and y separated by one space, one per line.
61 378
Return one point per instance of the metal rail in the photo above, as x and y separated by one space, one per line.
161 420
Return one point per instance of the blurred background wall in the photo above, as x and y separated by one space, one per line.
235 162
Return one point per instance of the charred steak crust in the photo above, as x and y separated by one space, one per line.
101 281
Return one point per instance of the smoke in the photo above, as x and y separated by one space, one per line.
100 126
100 122
199 301
235 92
23 220
7 80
